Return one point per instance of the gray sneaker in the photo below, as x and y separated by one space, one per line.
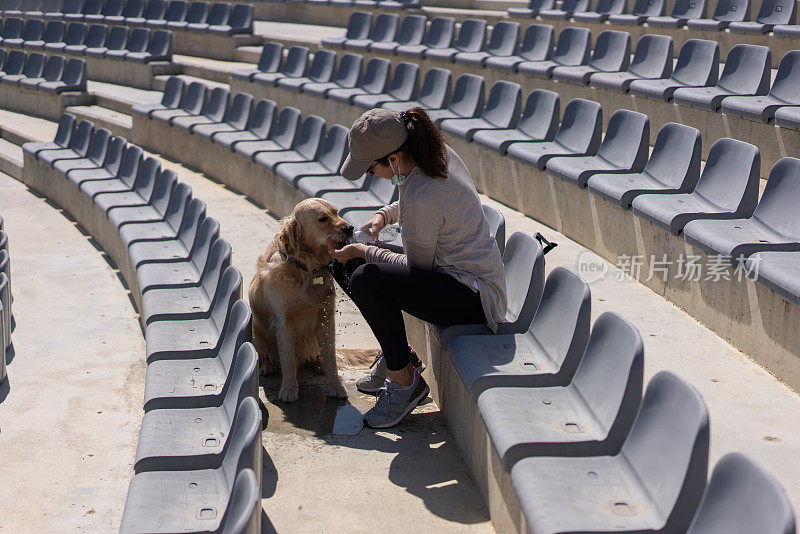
395 402
373 381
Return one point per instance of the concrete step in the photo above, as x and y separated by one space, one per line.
211 69
248 54
18 128
11 159
292 34
102 117
161 81
121 98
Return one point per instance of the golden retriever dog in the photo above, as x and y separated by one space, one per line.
293 299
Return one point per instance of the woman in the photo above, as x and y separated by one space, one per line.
449 270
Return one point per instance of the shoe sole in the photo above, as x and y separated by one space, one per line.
421 369
411 405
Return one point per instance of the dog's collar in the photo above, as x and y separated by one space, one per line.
300 265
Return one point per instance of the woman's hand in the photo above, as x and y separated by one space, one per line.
374 225
348 252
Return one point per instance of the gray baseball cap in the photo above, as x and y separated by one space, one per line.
375 134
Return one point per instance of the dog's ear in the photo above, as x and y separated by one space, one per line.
289 236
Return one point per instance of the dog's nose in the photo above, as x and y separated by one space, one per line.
348 231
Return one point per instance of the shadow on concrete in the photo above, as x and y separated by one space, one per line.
5 388
13 321
266 525
269 475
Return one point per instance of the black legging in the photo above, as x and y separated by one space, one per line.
381 291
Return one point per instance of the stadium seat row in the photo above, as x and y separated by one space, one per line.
362 4
5 301
140 45
215 17
54 74
198 463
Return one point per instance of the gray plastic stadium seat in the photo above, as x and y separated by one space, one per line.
90 7
383 31
326 165
195 501
111 8
159 48
497 225
578 134
673 167
78 145
270 61
532 9
180 207
603 10
539 122
281 137
34 67
347 76
380 193
612 53
590 416
778 271
742 497
434 93
572 49
357 28
772 226
502 43
652 60
501 112
625 149
747 71
32 31
523 269
218 15
786 30
212 112
547 354
197 12
66 126
14 64
642 10
653 485
240 22
177 440
258 128
170 98
697 66
116 41
374 82
148 201
108 170
727 11
782 93
243 513
788 117
52 71
192 102
53 33
536 45
235 118
137 42
138 12
568 8
411 32
403 87
174 11
12 29
131 9
306 148
106 195
440 34
471 38
727 189
466 101
320 71
294 67
682 11
95 155
74 35
95 38
99 182
770 14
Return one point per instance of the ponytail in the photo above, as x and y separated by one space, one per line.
425 143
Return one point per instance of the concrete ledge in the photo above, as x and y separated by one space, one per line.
210 45
39 103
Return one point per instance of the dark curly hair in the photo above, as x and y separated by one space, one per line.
425 144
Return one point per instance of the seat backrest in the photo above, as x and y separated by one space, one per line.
788 77
504 39
627 140
146 176
561 322
497 226
776 12
98 146
34 65
92 7
384 190
51 6
359 24
435 90
271 56
296 61
12 28
575 6
96 35
129 166
66 126
376 75
235 320
653 56
3 53
468 96
160 46
471 36
75 33
244 506
540 116
262 118
285 131
238 112
242 450
581 126
667 448
309 140
778 205
648 8
179 199
219 14
689 9
523 267
163 185
572 47
612 51
349 72
405 82
139 39
412 30
385 28
117 37
116 147
34 28
610 7
731 176
74 75
241 17
334 150
537 43
217 103
441 33
176 10
135 8
698 63
610 377
54 31
732 10
504 104
112 7
244 380
675 160
322 66
194 98
83 135
741 498
198 12
219 259
15 62
747 69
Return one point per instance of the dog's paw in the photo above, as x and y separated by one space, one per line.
287 393
337 390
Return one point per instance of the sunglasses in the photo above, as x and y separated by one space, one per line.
371 168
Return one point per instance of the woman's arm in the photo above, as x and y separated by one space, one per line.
391 213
